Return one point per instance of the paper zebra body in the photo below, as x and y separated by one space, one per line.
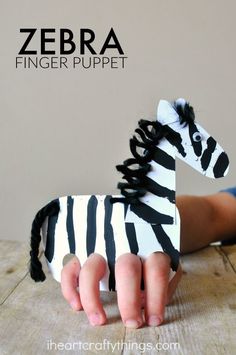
144 219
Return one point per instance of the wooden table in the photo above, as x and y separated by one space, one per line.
35 319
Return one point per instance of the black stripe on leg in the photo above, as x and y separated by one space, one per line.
110 243
91 225
150 215
50 241
132 239
167 246
70 224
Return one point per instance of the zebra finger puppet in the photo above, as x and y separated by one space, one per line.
144 218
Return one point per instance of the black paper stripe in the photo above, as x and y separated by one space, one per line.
164 159
176 140
132 239
150 215
50 241
110 243
70 224
197 146
221 165
167 246
207 154
91 225
159 190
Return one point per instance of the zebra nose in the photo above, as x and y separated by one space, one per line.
221 167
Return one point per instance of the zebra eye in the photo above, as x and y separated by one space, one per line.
197 137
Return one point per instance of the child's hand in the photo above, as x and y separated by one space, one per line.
128 269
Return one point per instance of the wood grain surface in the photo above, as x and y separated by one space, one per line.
35 319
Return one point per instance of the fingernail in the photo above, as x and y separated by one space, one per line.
154 321
132 323
95 319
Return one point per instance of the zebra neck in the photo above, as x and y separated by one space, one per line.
158 204
160 181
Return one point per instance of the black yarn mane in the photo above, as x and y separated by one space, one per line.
135 169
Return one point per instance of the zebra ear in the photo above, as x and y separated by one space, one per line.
181 102
166 114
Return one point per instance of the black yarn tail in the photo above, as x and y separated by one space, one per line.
35 268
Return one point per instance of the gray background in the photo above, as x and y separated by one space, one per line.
63 131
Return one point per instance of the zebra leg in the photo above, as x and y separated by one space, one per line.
169 238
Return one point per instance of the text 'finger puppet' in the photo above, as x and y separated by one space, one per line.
144 218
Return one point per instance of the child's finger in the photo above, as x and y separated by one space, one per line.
156 277
91 273
173 284
128 276
69 283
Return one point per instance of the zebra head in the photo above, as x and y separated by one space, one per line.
193 144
